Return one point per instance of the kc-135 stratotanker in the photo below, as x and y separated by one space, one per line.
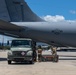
18 20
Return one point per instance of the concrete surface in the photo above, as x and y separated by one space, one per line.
63 67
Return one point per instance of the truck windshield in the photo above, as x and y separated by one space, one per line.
23 43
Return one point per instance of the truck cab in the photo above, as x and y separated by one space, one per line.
21 50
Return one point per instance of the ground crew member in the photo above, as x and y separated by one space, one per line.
39 53
54 53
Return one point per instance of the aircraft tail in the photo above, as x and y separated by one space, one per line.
16 11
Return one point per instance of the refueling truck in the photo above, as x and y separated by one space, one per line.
22 50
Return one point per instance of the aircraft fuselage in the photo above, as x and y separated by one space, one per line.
54 33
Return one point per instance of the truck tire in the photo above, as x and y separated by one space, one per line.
9 62
31 62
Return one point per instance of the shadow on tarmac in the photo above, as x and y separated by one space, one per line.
3 59
67 58
22 63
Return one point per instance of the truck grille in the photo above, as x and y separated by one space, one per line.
19 53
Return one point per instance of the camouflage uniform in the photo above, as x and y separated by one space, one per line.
39 54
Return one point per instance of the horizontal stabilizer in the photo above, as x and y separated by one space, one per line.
6 27
9 27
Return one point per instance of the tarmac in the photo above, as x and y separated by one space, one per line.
63 67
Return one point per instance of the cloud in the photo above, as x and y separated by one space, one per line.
55 18
73 11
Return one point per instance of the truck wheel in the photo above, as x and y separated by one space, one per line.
31 62
9 62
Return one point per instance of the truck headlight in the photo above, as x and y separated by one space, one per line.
10 53
29 52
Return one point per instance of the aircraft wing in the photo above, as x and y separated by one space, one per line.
9 29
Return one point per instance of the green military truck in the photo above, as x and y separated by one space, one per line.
21 50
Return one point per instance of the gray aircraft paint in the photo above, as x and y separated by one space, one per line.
61 33
17 11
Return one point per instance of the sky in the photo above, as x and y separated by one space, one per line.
52 10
